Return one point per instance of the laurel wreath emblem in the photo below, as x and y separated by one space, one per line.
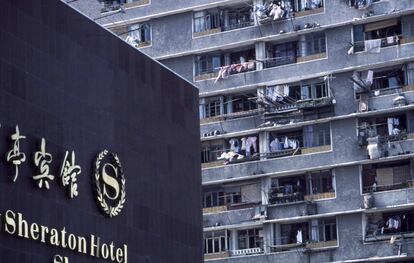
111 211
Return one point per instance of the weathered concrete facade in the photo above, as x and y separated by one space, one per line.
327 102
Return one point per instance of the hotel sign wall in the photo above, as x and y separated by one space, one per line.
109 183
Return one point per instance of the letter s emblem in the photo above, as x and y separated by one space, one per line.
110 181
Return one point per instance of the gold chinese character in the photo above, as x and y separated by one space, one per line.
68 174
42 160
14 155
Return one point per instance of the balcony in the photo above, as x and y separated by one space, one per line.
219 255
375 45
275 12
247 251
225 71
392 196
389 226
281 61
136 3
230 116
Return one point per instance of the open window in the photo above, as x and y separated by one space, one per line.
321 185
139 35
206 20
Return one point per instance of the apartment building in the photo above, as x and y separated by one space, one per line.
307 120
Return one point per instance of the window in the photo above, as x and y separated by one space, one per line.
206 20
287 190
294 233
216 242
250 238
388 79
238 17
313 91
386 176
317 135
323 230
210 153
391 223
242 56
225 196
208 64
384 30
285 53
212 199
139 34
243 102
321 182
315 44
212 107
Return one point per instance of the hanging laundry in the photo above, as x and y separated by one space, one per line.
299 237
243 146
234 145
393 124
251 142
370 78
390 40
286 144
275 145
373 46
223 73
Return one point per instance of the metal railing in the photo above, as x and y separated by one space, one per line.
359 46
237 26
381 188
285 194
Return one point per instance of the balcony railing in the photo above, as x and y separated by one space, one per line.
237 25
226 70
286 60
360 46
381 188
378 236
233 115
284 194
247 251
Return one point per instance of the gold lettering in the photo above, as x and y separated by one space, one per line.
111 251
72 241
23 227
9 218
109 180
125 254
43 231
63 237
119 255
54 237
34 231
95 246
60 259
104 251
82 245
